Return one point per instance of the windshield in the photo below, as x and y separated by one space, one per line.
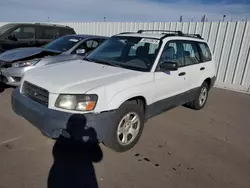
5 28
135 53
63 44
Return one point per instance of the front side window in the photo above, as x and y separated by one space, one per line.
135 53
63 43
24 33
172 53
5 28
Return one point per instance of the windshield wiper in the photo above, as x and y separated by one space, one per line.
87 59
105 62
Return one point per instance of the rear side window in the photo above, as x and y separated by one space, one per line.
205 52
48 33
64 31
190 53
92 43
45 33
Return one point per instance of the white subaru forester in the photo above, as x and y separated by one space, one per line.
109 95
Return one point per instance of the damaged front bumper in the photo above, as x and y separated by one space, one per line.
53 123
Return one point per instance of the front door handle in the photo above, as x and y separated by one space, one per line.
182 74
202 68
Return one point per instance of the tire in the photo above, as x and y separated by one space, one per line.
199 104
114 139
1 50
2 87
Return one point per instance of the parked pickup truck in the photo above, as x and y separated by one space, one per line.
127 80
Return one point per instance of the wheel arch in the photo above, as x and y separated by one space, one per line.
118 101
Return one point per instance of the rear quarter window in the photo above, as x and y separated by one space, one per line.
205 52
64 31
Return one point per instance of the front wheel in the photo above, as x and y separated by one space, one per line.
201 98
2 86
127 127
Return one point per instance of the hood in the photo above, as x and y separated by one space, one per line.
76 76
58 59
19 54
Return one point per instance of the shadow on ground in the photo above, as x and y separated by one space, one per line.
73 161
3 87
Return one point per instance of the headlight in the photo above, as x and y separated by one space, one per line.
26 63
77 102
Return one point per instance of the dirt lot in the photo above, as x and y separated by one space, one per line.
181 148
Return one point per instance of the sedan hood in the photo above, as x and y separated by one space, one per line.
76 76
19 54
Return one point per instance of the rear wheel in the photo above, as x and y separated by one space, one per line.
127 128
201 98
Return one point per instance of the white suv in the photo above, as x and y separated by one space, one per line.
109 95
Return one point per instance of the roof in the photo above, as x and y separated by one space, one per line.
42 24
86 36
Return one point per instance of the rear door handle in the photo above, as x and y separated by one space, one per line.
182 74
202 68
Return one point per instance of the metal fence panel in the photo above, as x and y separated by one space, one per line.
229 42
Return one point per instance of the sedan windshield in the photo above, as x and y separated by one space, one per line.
135 53
5 28
63 44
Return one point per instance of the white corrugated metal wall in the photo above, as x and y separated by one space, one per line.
229 41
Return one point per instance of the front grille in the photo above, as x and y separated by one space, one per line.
5 64
36 93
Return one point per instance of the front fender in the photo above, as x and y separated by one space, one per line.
122 97
142 91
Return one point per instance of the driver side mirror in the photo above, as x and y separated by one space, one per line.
80 51
168 66
12 37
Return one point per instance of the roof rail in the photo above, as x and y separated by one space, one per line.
48 24
172 33
169 31
194 35
126 33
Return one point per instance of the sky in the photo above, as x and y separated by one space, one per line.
122 10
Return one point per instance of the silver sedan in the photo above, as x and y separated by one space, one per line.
16 62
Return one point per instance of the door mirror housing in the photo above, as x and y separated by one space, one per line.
12 37
168 66
80 51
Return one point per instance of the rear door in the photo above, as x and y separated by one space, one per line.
206 65
192 62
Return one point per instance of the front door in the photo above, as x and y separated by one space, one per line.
23 36
171 86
